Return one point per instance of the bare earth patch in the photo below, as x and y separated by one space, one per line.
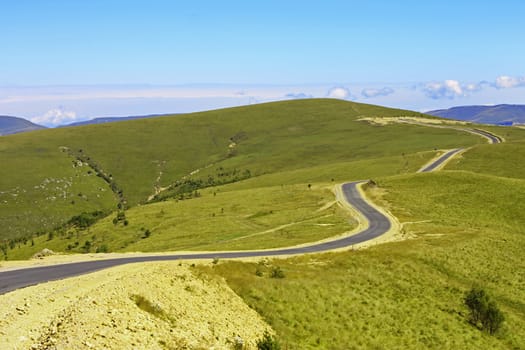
390 120
141 306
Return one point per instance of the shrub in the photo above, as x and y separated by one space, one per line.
86 247
268 342
102 249
277 272
493 318
483 310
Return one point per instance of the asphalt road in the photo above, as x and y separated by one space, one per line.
493 138
378 225
435 164
440 160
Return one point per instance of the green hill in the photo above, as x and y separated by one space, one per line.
50 176
262 176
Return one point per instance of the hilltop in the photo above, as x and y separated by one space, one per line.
14 125
102 120
499 114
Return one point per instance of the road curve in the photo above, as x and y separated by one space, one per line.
490 136
378 224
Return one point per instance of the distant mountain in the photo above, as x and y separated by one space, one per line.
499 114
103 120
14 125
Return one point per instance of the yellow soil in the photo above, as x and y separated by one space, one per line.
408 119
100 311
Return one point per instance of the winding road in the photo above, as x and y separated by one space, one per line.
377 225
442 159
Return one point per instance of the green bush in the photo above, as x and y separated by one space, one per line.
483 310
277 272
268 342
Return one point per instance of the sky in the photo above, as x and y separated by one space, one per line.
64 61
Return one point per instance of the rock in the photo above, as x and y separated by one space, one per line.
43 253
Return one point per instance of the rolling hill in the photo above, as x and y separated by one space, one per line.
99 167
262 176
14 125
500 114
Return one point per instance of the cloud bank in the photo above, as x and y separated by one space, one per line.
299 95
371 93
506 82
55 117
339 92
451 89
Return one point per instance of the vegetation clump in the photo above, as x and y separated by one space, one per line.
483 310
84 220
277 272
187 188
268 342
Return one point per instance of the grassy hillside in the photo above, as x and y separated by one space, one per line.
139 156
468 230
466 222
494 160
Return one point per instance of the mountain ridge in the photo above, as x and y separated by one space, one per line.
14 125
501 114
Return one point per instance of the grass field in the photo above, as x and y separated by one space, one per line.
244 219
407 294
501 160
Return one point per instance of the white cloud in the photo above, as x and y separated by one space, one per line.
339 92
506 82
449 89
298 95
370 93
55 117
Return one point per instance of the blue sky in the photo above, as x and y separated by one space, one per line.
179 56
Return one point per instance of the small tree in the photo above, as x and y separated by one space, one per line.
493 318
483 310
477 301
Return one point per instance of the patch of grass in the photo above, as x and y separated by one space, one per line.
227 220
150 307
493 160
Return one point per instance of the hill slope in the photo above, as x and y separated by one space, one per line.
462 228
13 125
102 120
499 114
136 159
